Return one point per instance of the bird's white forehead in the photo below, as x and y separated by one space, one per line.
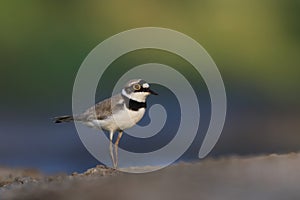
146 85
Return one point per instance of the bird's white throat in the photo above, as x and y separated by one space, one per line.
136 96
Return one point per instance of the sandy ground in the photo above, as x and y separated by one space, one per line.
263 177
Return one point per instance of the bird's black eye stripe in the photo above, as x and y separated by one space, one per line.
142 90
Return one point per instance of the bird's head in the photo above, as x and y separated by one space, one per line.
138 90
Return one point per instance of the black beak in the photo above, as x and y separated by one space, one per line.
152 92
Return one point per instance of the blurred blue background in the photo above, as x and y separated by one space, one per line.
255 44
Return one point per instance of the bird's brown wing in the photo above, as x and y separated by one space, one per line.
103 109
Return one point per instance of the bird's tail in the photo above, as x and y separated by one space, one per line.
66 118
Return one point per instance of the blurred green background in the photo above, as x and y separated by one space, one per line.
255 44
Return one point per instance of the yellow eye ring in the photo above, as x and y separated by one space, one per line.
136 87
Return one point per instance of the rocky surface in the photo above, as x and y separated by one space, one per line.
262 177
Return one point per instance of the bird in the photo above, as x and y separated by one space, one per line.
116 114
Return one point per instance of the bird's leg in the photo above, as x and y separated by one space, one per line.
117 147
111 134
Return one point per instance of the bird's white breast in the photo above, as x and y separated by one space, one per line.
121 119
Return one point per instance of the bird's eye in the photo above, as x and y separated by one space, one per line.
136 87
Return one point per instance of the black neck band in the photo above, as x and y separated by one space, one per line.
132 104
